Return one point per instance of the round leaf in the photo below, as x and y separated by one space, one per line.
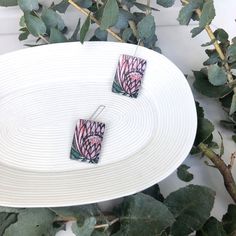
34 24
28 5
216 75
191 207
229 220
84 29
183 174
56 36
110 14
146 27
165 3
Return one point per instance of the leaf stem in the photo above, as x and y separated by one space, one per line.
88 13
225 170
106 225
44 39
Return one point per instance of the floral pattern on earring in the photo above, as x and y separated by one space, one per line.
129 75
86 145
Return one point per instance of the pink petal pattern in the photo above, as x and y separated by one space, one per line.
87 140
129 75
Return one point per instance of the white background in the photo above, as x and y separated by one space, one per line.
176 43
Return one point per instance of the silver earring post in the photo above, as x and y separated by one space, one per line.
97 112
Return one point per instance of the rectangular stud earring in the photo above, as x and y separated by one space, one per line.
87 140
129 75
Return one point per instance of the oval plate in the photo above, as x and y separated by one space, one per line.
45 90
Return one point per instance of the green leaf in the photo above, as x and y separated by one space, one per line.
28 5
56 36
227 100
24 35
212 227
34 24
208 43
10 209
233 105
8 3
101 34
144 7
203 86
204 130
84 29
208 13
216 75
165 3
213 145
110 14
195 31
231 53
213 57
36 222
229 220
123 19
84 3
228 124
140 208
52 19
86 229
6 219
154 191
146 27
191 207
127 34
183 174
200 111
234 138
187 11
22 22
61 7
221 35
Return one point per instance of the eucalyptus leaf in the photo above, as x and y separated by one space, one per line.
52 19
231 53
6 219
144 7
183 174
200 111
86 229
10 209
229 220
24 35
191 207
123 19
165 3
146 27
213 57
22 22
217 75
204 130
127 34
227 100
84 3
110 14
203 86
209 43
213 145
221 35
8 3
28 5
154 191
61 7
101 34
140 208
138 16
36 222
208 13
186 12
84 29
212 227
195 31
233 105
34 24
56 36
228 124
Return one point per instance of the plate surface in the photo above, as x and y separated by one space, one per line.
45 90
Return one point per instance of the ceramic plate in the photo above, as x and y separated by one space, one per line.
45 90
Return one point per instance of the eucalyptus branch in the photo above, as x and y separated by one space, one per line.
225 170
87 13
217 47
148 10
44 39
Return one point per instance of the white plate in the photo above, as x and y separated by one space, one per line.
44 90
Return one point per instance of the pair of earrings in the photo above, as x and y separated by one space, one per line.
88 136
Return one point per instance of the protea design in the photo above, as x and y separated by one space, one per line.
87 141
129 75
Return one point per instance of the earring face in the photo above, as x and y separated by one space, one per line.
87 141
129 75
